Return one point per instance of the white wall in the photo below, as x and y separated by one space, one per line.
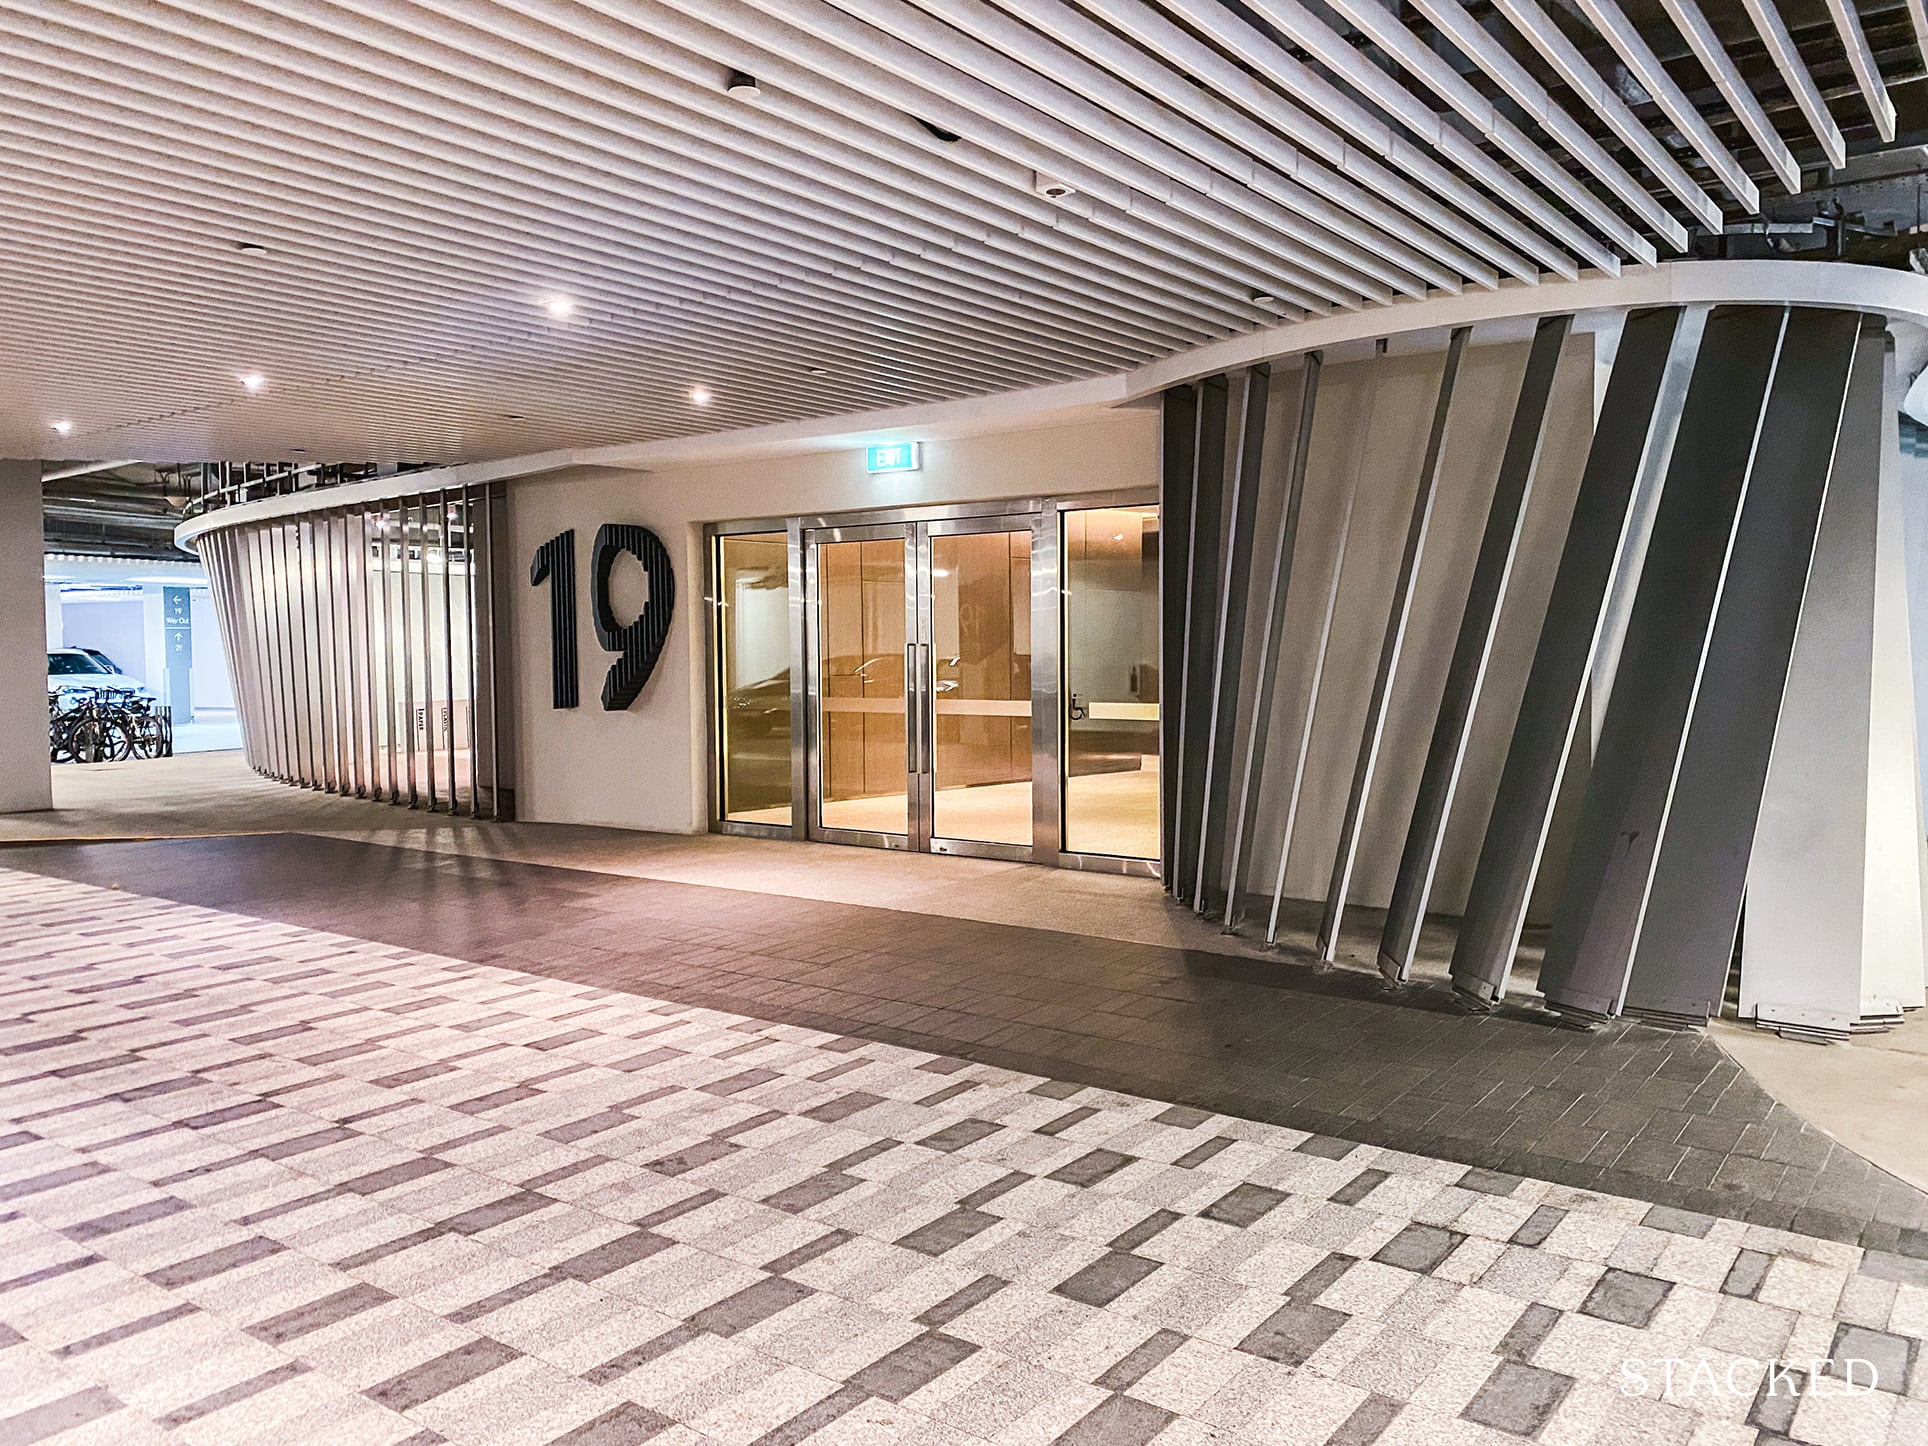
212 686
116 626
648 767
26 778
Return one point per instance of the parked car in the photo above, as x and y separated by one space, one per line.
106 662
72 668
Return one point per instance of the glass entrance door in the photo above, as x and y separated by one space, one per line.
920 685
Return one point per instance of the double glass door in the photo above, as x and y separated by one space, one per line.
921 682
981 684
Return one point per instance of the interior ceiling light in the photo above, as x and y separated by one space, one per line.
252 381
560 308
819 371
1267 300
250 248
743 86
63 426
1051 188
701 396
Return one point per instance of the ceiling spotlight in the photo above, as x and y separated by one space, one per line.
250 248
701 396
63 426
818 371
560 308
252 381
1267 300
1051 188
743 86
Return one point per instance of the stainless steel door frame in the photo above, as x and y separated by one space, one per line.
1044 777
812 539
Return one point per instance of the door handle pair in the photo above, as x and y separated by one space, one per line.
917 708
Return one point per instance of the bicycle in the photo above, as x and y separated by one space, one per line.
106 725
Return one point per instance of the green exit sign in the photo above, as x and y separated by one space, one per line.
891 457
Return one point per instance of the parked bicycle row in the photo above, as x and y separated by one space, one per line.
106 725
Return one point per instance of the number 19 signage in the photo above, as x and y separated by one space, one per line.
637 643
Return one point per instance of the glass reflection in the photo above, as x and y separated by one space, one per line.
860 670
753 667
1111 681
980 611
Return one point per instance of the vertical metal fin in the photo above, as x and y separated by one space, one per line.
1201 621
1245 821
1472 650
1556 684
1686 937
1609 874
1389 651
1177 445
1229 651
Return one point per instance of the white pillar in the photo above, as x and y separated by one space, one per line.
1833 933
26 779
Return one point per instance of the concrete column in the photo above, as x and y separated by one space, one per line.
26 779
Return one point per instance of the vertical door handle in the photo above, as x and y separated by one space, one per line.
927 687
912 732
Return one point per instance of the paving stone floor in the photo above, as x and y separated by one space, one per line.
1630 1110
262 1182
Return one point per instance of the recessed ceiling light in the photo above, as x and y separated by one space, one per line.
561 308
252 381
1267 300
63 426
701 396
250 248
743 86
819 371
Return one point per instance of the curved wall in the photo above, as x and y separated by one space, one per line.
1299 703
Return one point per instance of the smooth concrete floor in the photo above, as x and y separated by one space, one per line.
215 794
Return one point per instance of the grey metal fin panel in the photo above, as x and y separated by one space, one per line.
1556 684
1178 425
1686 938
1229 651
1201 623
1472 649
1245 822
1623 817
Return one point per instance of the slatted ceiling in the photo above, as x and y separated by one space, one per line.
425 172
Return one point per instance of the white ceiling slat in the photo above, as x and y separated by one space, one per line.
876 96
423 175
1187 183
770 247
1780 48
1867 75
1140 188
1198 123
1295 21
1385 31
1166 47
1573 68
1700 38
1319 97
1645 66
